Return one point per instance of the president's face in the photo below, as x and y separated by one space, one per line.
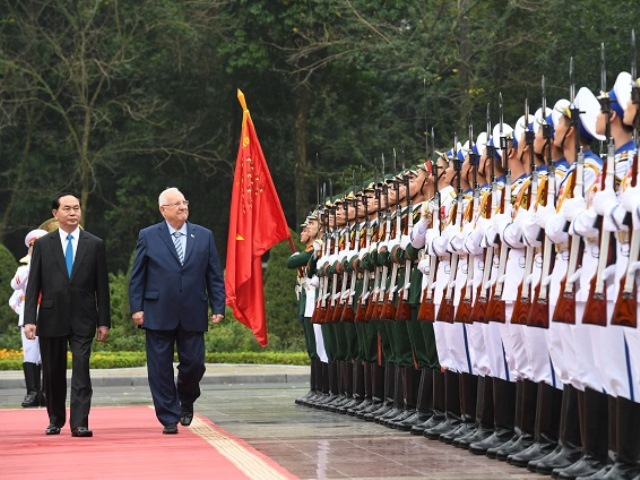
68 213
175 209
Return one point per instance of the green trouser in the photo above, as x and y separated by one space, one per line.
340 340
423 342
360 327
401 335
309 337
328 338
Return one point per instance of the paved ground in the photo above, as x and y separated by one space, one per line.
256 404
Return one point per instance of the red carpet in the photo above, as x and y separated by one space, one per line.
127 443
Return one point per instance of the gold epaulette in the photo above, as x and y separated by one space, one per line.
567 190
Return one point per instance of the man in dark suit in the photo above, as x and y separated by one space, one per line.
176 276
69 282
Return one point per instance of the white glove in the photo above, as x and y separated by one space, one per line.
317 246
473 242
405 241
500 222
440 244
604 201
432 234
543 214
583 224
423 265
571 207
555 229
530 229
490 236
314 282
630 199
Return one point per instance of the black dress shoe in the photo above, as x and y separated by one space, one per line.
83 432
186 415
52 430
170 429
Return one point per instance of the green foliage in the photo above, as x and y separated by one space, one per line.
8 266
102 359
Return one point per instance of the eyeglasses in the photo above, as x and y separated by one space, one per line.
177 204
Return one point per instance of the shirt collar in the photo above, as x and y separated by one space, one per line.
75 234
182 230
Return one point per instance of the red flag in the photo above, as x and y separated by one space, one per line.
256 223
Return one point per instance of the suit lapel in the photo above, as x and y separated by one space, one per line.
191 238
165 236
56 251
81 251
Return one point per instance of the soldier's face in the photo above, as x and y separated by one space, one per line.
312 228
538 142
449 173
416 182
304 235
561 131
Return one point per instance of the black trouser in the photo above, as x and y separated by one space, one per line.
54 365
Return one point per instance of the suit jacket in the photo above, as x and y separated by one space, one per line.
171 294
76 304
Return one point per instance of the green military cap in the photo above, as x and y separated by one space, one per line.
369 185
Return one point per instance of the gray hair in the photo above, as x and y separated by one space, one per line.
163 195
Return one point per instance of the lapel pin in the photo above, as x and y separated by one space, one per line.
193 236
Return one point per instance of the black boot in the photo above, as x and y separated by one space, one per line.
359 390
452 407
504 404
627 461
349 376
32 381
525 424
312 374
438 403
388 386
483 415
339 388
424 403
547 426
397 397
468 397
594 417
411 385
377 389
325 386
569 443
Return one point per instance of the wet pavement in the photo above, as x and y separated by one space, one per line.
256 403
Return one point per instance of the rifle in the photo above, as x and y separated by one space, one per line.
384 275
446 310
362 301
320 312
389 307
625 311
523 300
479 311
565 311
539 309
403 312
497 307
595 312
463 313
340 268
371 300
427 311
348 312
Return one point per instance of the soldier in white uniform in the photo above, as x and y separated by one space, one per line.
32 364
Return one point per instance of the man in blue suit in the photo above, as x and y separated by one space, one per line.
176 276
